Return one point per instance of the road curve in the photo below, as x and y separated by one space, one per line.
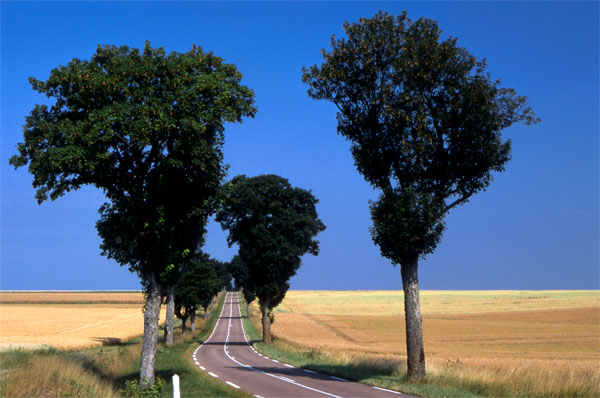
227 356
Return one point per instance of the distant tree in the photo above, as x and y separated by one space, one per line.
224 274
241 276
198 285
213 285
424 119
146 128
274 224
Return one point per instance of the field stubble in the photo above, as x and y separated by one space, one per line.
530 343
69 321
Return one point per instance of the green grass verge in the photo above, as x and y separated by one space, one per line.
364 372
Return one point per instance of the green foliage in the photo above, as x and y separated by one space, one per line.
424 118
406 224
274 224
134 390
145 127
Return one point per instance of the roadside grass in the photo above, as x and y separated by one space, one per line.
103 371
368 370
49 373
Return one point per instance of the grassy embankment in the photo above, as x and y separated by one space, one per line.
517 344
102 372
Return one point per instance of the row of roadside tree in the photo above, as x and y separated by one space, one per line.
147 129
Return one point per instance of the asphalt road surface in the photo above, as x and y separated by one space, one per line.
227 356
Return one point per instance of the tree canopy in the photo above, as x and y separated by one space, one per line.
146 128
424 118
274 224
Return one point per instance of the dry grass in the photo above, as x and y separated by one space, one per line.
69 326
515 343
50 375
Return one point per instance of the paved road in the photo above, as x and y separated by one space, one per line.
227 356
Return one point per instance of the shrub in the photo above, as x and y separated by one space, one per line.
134 390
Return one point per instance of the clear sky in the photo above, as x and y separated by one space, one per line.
536 227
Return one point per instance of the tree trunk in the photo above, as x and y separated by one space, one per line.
193 320
248 309
212 305
183 321
266 321
151 315
415 351
205 311
170 320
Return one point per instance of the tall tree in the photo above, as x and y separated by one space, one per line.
424 118
274 224
146 128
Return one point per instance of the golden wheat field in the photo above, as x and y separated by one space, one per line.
548 340
68 320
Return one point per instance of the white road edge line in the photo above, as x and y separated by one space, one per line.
212 374
383 389
202 367
338 378
214 328
289 366
309 371
232 385
269 374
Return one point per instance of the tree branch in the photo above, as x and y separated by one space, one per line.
457 202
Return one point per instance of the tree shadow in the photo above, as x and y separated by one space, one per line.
91 364
354 371
113 342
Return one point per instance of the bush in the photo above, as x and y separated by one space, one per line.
134 390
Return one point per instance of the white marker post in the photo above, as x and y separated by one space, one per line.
176 386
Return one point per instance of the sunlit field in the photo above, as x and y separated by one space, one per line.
69 320
71 297
536 342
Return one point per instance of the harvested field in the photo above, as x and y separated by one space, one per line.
64 323
435 302
71 297
546 341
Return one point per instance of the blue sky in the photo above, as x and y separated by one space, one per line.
536 227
